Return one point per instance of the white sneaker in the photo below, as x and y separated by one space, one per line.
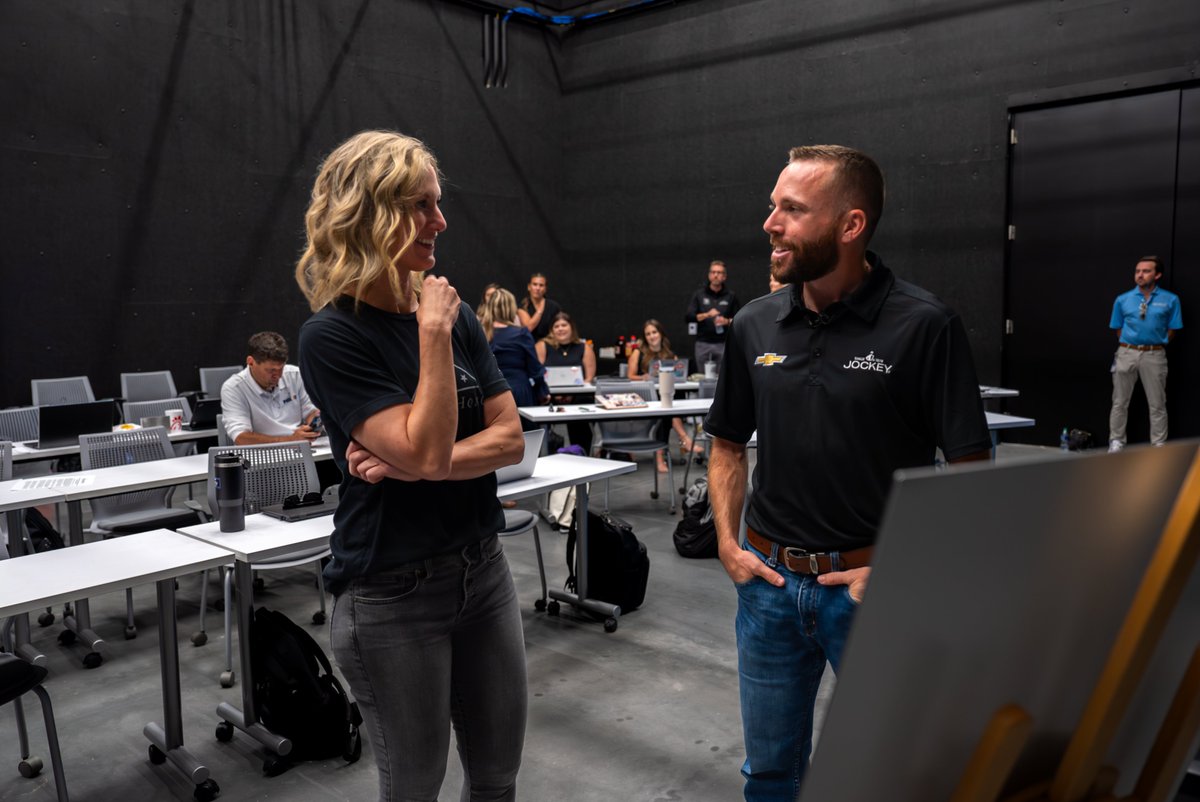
1114 446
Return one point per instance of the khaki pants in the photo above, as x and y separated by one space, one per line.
1151 368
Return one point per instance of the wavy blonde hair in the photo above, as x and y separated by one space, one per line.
500 308
359 210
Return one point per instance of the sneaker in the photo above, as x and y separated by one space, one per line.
1114 446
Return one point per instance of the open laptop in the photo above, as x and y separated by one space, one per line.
61 424
564 376
678 366
524 468
204 413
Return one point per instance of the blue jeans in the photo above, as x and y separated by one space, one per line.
429 644
784 637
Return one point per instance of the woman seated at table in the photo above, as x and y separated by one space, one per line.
512 345
563 348
655 345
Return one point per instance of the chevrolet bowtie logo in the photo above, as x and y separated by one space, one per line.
768 359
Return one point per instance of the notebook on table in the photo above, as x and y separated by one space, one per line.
524 468
61 424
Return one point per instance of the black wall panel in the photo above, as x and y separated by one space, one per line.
678 124
156 156
157 159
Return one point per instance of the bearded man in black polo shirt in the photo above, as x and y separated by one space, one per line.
847 377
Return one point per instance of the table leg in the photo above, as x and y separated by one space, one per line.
245 719
580 599
167 738
22 645
81 622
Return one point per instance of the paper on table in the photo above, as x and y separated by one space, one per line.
53 482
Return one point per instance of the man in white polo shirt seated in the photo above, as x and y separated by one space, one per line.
266 401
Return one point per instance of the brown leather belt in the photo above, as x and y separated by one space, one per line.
804 562
1142 347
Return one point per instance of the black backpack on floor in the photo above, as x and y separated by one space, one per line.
618 568
296 694
42 533
696 533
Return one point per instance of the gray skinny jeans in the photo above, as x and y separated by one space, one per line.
434 643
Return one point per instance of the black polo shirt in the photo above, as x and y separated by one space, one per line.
841 401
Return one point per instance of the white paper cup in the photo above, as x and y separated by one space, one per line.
176 418
710 370
666 389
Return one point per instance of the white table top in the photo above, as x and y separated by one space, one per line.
572 389
988 391
996 420
590 412
266 538
50 577
27 451
562 470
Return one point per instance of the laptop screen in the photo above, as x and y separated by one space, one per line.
524 468
677 366
60 425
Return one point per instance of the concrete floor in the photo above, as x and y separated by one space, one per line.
646 714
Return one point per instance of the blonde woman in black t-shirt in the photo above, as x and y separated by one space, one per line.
419 417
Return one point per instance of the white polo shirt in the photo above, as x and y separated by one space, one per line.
247 407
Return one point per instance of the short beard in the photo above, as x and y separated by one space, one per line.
810 260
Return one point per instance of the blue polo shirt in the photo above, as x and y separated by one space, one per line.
1162 314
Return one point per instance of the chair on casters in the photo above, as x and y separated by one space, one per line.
635 436
273 472
147 386
16 679
707 389
211 379
140 511
68 390
518 522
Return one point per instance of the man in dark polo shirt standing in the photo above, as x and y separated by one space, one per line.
847 377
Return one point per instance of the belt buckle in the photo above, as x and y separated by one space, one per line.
814 566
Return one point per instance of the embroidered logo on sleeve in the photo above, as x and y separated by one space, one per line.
868 362
768 359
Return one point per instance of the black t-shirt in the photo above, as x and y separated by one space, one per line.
355 364
703 300
841 401
542 329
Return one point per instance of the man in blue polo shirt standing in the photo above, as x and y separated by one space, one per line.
1148 317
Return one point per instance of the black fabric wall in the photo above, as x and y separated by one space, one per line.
157 159
678 123
156 156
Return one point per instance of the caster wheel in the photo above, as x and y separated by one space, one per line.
45 619
318 617
92 660
66 637
654 494
199 638
207 791
610 625
130 633
224 732
258 583
274 766
552 608
539 605
157 756
226 679
30 767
